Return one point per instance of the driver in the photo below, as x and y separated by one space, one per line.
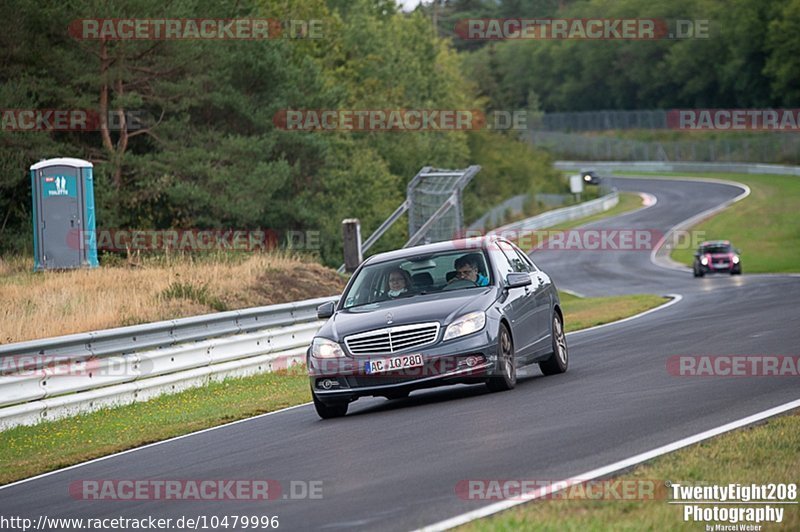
467 268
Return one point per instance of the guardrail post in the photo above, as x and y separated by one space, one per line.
351 235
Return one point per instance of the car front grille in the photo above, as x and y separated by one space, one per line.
393 339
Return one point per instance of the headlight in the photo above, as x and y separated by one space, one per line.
704 261
324 348
736 259
587 178
466 324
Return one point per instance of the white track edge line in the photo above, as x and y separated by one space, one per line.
611 468
674 298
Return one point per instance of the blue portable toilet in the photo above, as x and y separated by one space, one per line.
63 214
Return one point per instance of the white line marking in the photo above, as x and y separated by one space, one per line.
674 298
607 470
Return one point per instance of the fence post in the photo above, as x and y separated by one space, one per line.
351 236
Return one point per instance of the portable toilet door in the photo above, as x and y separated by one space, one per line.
63 214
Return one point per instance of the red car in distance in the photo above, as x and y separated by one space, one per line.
717 256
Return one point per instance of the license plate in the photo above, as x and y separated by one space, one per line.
391 364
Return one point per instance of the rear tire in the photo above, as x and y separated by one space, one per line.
329 411
559 360
506 378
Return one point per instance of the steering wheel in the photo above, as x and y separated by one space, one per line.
455 284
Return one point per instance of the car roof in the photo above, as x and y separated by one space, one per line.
465 244
716 243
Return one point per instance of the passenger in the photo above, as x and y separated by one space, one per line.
467 268
398 282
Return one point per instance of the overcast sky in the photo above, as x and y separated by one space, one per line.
408 5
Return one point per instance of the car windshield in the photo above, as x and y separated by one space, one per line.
721 248
415 276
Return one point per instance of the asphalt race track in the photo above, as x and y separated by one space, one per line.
394 465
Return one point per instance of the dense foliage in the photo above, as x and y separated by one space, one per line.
750 58
211 156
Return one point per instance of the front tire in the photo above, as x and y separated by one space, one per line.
506 378
559 360
329 411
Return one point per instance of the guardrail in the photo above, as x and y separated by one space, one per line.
565 214
653 166
67 375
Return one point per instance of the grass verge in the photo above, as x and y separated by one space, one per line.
764 454
156 288
628 201
584 312
27 451
763 225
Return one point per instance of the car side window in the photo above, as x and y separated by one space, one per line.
515 260
500 260
517 263
527 260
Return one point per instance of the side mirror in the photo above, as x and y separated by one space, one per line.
325 310
517 280
738 251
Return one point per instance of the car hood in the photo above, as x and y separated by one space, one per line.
441 307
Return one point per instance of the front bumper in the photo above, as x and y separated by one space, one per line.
443 364
720 268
